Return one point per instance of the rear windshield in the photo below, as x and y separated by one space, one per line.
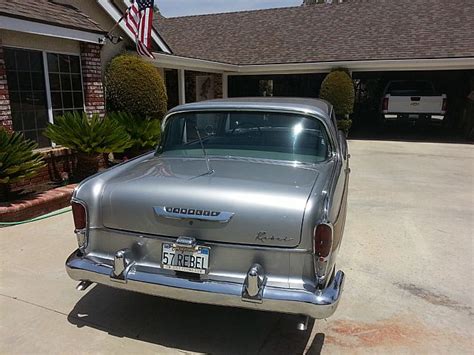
266 135
411 88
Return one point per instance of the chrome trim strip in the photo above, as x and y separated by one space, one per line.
319 304
168 239
221 217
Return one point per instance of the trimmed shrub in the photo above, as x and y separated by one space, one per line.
89 138
135 86
17 160
144 134
338 89
344 125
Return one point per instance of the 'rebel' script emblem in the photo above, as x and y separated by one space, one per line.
264 237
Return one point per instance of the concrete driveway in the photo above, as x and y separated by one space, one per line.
407 253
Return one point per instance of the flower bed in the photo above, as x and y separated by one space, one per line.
35 205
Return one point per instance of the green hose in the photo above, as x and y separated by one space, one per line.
48 215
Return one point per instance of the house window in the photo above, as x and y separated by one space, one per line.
25 76
32 105
65 83
265 87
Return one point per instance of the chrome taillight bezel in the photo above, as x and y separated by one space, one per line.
81 230
322 260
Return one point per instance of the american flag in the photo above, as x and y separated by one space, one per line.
139 20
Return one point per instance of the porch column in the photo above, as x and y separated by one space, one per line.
225 86
94 98
181 86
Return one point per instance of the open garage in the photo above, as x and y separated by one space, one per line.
457 85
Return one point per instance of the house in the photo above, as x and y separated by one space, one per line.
53 53
290 50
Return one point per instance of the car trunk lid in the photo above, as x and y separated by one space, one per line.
266 200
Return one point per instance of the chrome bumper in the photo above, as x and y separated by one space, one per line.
319 305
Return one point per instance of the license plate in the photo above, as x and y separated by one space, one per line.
413 116
195 260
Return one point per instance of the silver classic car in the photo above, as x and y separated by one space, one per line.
243 204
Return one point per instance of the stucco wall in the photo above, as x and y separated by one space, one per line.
99 15
31 41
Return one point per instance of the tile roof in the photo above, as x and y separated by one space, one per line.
49 12
353 30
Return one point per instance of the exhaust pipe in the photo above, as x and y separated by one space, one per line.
303 323
83 285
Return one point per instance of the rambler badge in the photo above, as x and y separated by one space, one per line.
264 237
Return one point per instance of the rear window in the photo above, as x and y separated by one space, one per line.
266 135
411 88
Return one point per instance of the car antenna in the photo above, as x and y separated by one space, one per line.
208 163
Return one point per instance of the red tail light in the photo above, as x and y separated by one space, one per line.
385 104
444 107
322 240
79 214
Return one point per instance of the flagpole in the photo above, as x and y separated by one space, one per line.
108 36
117 23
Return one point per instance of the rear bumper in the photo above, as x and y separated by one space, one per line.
320 304
406 117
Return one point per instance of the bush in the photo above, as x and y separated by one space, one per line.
344 125
135 86
144 133
88 137
17 160
338 89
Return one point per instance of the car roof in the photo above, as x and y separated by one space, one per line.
304 105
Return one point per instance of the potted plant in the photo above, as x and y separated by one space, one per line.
89 138
338 89
18 161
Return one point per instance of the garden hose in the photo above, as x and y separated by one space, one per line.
48 215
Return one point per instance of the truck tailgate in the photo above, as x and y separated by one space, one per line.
415 104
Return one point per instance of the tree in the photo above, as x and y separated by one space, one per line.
338 89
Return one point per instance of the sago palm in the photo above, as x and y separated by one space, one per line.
18 161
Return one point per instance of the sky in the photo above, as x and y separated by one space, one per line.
172 8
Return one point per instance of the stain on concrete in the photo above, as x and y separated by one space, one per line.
434 298
346 333
395 332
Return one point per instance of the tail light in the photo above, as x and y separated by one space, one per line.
385 104
323 240
444 107
79 214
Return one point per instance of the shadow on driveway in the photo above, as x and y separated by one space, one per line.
191 327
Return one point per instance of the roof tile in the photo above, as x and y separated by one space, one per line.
353 30
50 12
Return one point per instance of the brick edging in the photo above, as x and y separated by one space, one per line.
37 205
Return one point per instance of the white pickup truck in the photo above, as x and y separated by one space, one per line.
412 101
